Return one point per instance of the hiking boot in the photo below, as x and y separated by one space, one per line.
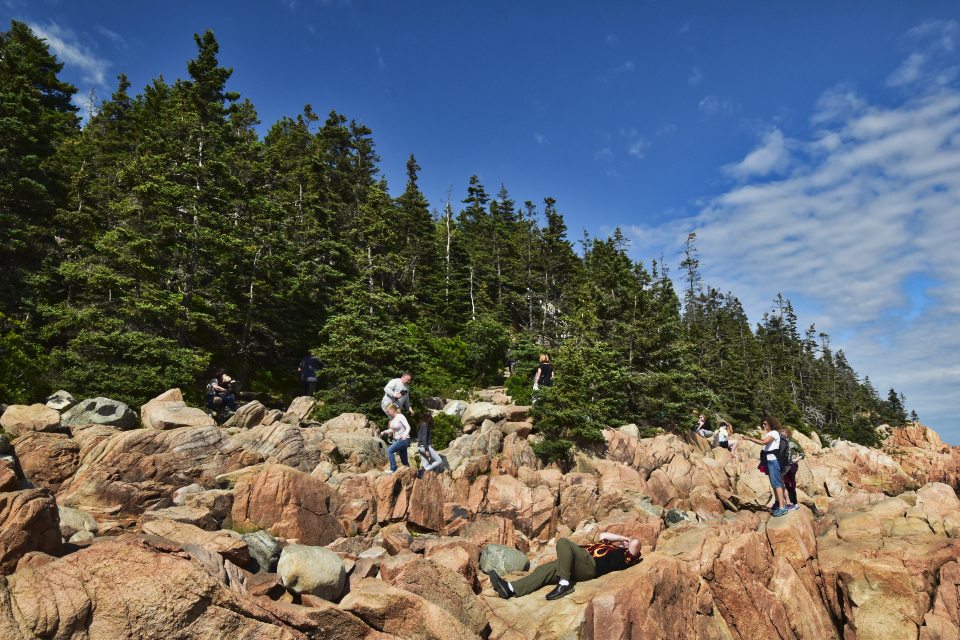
559 591
500 585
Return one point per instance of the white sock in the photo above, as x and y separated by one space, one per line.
510 586
563 582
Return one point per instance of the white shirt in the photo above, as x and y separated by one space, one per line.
722 434
773 446
400 427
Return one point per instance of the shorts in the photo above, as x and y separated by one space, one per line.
773 471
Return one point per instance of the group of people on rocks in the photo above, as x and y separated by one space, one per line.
779 457
221 392
396 400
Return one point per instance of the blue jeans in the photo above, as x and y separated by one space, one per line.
400 446
773 471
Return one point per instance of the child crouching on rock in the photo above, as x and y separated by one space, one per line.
430 460
574 563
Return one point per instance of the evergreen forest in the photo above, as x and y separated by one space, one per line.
165 238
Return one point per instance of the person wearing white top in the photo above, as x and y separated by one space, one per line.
769 459
723 436
399 429
397 392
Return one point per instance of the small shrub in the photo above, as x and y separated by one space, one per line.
446 429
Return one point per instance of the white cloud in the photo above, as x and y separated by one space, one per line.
380 62
604 154
868 210
667 129
68 48
111 35
695 77
539 138
638 148
713 106
933 60
612 40
770 157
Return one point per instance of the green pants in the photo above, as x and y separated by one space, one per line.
573 564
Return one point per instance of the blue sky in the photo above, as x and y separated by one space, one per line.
814 147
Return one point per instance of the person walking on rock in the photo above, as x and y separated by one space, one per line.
399 429
397 392
430 460
544 375
574 563
770 460
308 369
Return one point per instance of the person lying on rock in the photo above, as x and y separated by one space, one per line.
574 563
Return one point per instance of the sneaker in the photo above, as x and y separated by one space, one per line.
419 473
559 591
500 585
389 471
780 512
792 507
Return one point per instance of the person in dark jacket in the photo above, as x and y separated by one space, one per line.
574 563
430 460
308 370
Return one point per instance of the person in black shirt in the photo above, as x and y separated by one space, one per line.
544 375
574 563
308 369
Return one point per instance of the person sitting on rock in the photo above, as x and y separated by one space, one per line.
430 460
214 389
574 563
722 436
701 427
399 429
229 394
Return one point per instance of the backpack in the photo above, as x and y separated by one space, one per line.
783 452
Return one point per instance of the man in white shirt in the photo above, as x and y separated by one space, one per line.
397 392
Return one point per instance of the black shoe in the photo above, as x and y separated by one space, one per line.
419 473
500 585
559 591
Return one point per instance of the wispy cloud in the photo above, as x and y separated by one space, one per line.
695 77
866 210
638 148
770 157
539 138
933 62
380 62
112 36
716 107
603 154
612 40
68 48
666 129
685 28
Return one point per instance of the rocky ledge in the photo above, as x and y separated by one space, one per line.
276 527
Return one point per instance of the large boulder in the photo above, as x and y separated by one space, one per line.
264 551
502 559
47 459
477 412
125 589
169 411
103 411
228 544
280 442
444 588
377 603
28 522
61 401
313 570
20 419
136 470
300 409
247 416
73 521
455 408
288 504
349 423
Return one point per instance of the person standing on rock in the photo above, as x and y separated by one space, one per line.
399 429
544 375
794 455
308 369
430 460
770 460
574 563
397 392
